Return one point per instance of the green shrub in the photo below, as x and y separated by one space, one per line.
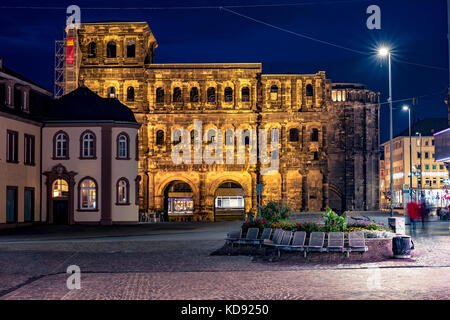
334 222
275 211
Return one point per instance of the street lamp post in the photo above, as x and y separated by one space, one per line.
410 157
419 190
386 52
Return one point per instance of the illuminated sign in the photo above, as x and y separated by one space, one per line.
69 51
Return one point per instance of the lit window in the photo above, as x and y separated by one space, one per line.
60 188
122 191
88 194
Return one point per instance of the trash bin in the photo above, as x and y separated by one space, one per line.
402 246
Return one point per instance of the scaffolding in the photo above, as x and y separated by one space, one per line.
66 75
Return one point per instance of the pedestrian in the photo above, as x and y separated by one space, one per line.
423 212
412 209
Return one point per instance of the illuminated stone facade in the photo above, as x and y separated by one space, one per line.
319 165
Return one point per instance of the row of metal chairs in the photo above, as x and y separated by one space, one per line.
295 241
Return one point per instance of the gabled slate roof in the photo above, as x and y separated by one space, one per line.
84 105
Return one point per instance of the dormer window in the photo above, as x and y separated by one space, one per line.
9 96
25 102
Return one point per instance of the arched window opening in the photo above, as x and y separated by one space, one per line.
92 50
60 188
176 138
177 95
315 135
122 146
130 94
229 137
88 145
309 90
61 145
293 135
123 191
160 137
111 92
194 136
245 94
211 135
88 194
316 155
160 95
211 94
194 95
111 50
228 94
274 93
131 49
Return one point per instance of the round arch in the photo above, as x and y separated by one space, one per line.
229 200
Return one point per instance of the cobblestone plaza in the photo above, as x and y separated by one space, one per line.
173 261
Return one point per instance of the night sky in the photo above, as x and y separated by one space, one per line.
415 30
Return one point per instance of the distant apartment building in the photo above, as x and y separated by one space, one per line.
428 176
442 139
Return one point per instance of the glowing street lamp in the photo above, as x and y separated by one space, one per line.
407 108
383 52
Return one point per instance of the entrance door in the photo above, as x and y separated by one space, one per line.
60 212
11 204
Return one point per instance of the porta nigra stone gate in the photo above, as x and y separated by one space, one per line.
328 132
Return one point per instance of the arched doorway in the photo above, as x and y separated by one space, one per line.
178 201
60 195
60 199
229 202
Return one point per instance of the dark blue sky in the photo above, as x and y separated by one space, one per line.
416 30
